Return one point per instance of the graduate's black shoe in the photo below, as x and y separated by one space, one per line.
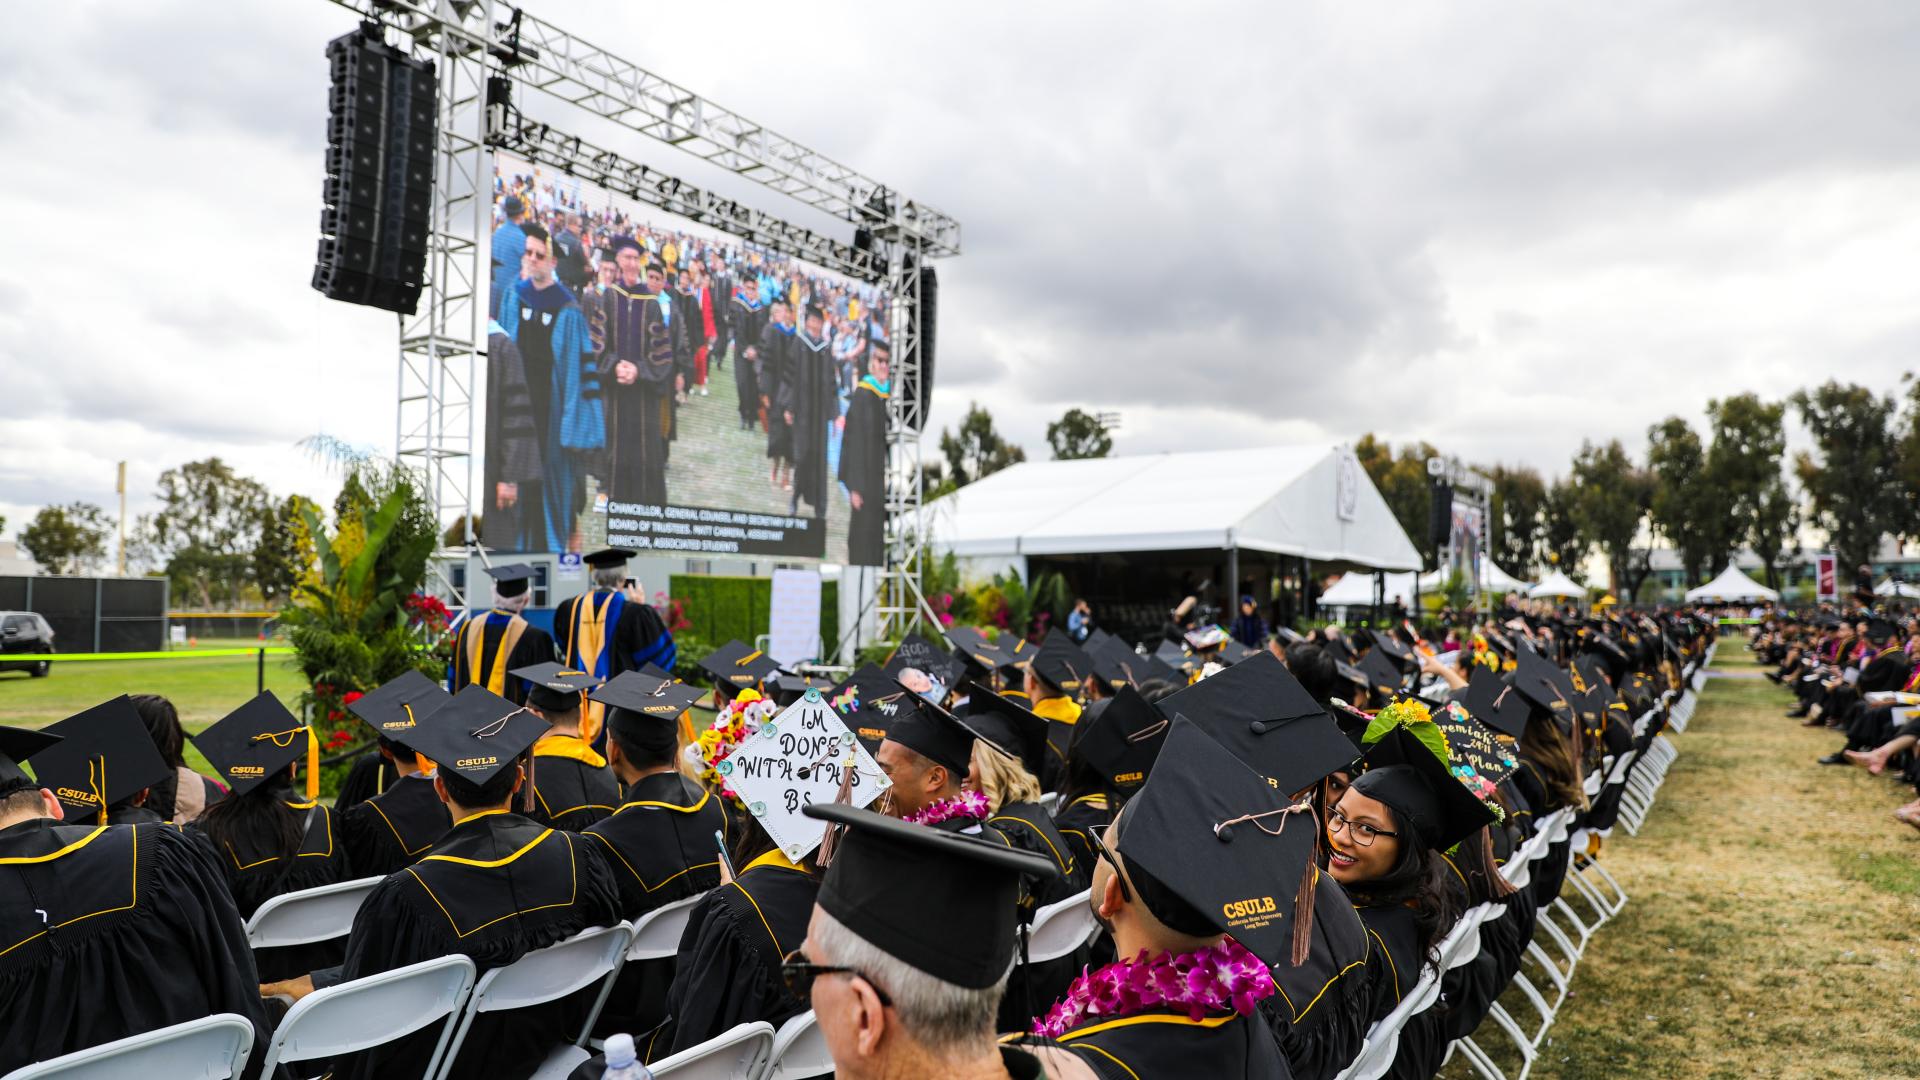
1797 714
1838 757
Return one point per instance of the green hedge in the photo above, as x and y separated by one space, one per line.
723 608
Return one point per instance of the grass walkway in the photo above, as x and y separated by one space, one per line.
1774 927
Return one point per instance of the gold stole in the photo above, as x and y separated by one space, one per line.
476 632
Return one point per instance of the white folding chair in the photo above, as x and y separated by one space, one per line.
740 1051
210 1048
1383 1041
310 915
656 935
1060 928
799 1051
363 1013
545 975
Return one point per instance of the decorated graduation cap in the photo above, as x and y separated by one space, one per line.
1258 710
922 667
869 702
1216 835
256 742
1543 684
1206 637
511 579
804 755
934 733
1592 669
17 745
1061 664
887 875
104 757
1474 756
399 705
1384 677
1120 738
478 734
1008 727
1403 773
637 701
738 666
555 687
612 556
1496 704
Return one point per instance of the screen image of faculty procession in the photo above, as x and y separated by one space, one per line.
657 385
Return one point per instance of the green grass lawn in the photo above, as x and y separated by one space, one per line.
203 689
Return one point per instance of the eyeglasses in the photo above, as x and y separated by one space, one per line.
1098 837
1358 831
799 973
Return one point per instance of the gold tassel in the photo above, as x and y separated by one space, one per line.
101 791
843 797
421 762
313 765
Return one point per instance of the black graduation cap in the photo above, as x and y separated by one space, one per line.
791 688
1601 642
1395 649
1352 674
510 580
555 687
1177 657
1217 835
1880 629
739 666
915 651
1401 772
971 643
104 756
1495 704
1120 738
608 557
256 742
1338 648
1232 652
1118 666
939 902
1061 664
633 697
1288 635
868 702
1007 727
478 734
1542 683
1258 710
934 733
1384 677
1591 669
1096 638
17 745
399 705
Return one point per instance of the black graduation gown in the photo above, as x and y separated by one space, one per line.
1081 816
863 469
1319 1011
1164 1044
635 638
727 971
1393 962
131 815
639 413
389 831
255 877
110 932
370 775
1028 827
495 888
535 646
810 395
776 348
659 845
746 323
1465 990
572 785
1550 872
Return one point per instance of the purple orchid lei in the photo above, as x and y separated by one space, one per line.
1215 979
967 804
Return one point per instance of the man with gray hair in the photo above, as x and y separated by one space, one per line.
610 630
488 645
908 952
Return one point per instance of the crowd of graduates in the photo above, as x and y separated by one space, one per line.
1272 841
1856 672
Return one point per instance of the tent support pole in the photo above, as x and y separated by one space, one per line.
1233 578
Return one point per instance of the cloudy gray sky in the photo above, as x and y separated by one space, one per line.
1499 227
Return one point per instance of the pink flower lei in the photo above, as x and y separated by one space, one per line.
967 804
1219 978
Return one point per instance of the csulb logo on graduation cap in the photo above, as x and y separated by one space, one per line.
246 770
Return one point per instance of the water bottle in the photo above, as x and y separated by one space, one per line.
622 1062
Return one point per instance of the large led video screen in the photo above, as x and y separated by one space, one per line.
658 385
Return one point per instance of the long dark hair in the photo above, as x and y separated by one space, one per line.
257 822
1417 879
1545 748
163 726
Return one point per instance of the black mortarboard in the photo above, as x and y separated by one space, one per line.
1880 629
1542 683
971 642
1600 642
1352 674
1401 772
17 745
1338 648
917 654
791 688
868 703
1396 650
1120 738
1384 677
1177 657
1118 666
1096 638
1592 669
555 687
633 697
608 557
1232 652
255 742
1495 704
933 733
478 734
1007 726
1288 635
1258 710
1060 663
104 756
939 902
510 580
399 705
1218 836
738 666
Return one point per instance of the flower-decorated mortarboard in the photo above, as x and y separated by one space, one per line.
258 740
1474 756
104 756
1404 773
1260 712
869 702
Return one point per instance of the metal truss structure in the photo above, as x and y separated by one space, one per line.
475 44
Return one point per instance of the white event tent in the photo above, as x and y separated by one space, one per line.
1555 585
1356 590
1901 589
1732 584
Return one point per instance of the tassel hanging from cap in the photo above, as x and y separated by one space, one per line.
313 765
842 797
526 791
1303 915
423 763
100 792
